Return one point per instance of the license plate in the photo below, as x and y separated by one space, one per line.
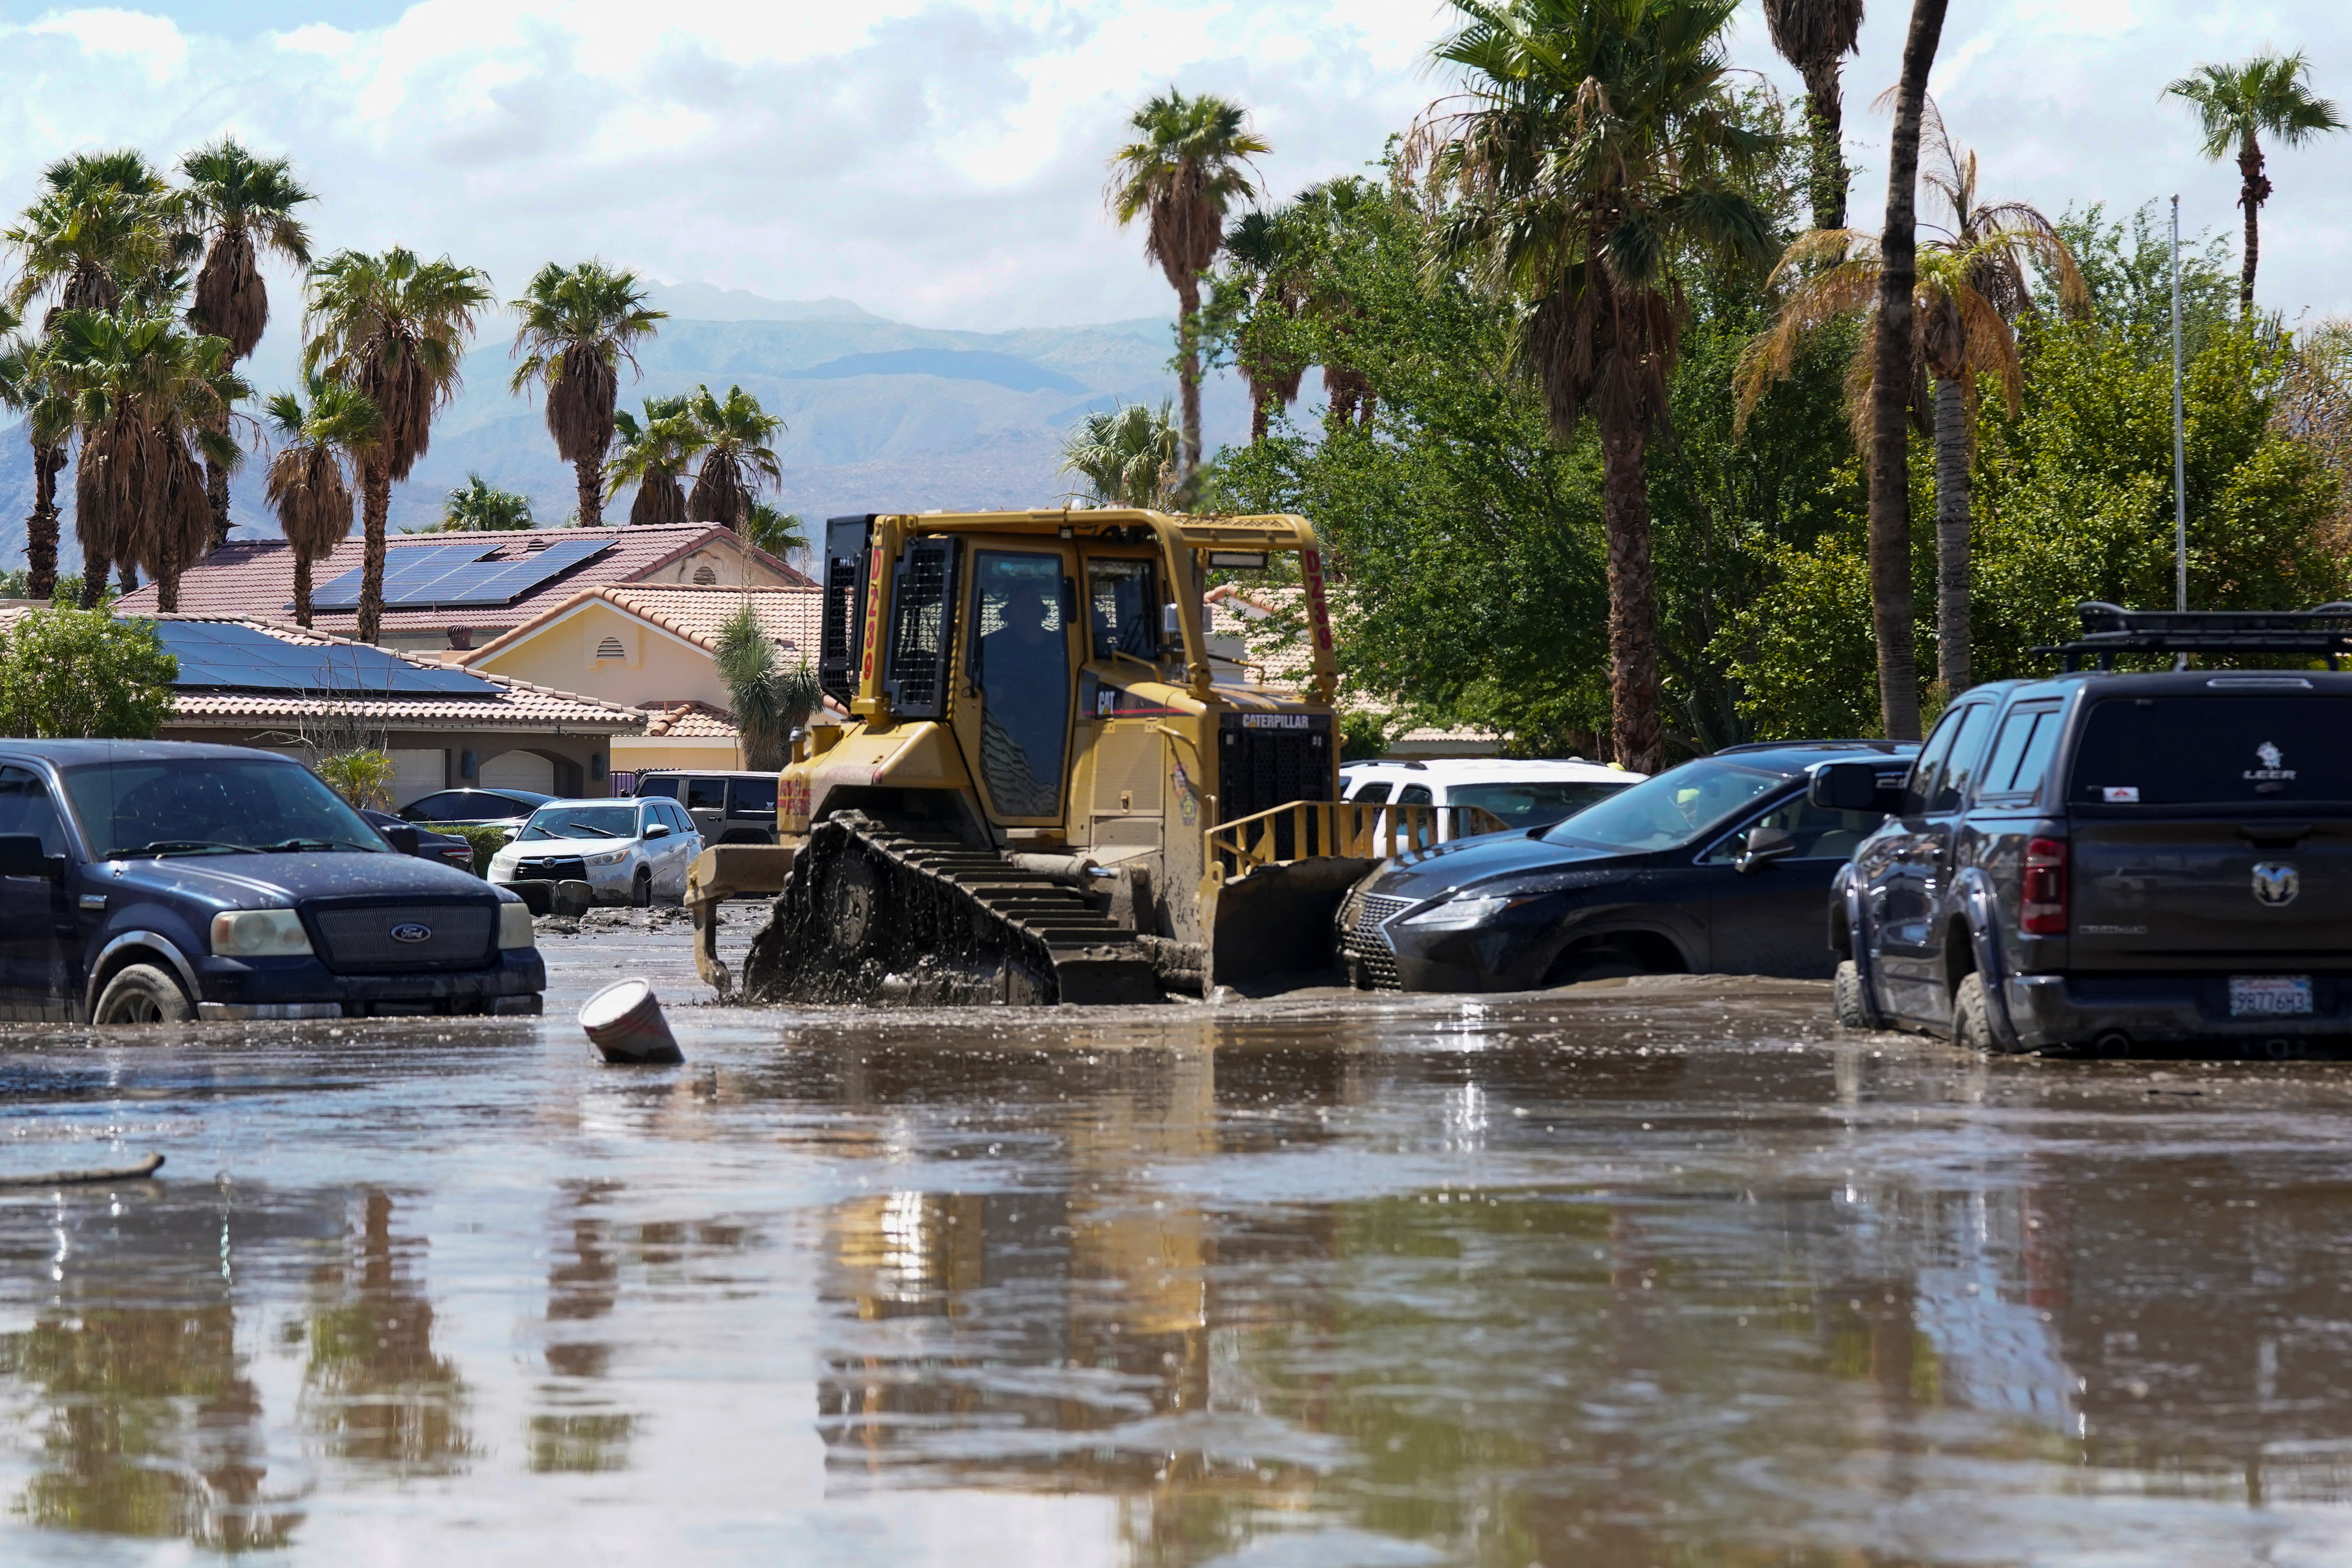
2270 995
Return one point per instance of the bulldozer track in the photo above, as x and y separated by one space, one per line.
878 910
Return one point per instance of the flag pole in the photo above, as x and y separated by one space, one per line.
2180 446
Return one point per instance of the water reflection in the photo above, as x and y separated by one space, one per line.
375 1392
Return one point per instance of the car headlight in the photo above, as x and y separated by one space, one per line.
514 925
614 858
259 933
1459 914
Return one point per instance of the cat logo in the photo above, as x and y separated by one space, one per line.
2275 884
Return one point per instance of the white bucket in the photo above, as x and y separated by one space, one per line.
625 1023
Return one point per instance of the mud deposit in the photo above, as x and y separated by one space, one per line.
1637 1275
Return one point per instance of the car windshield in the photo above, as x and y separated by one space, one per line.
1671 809
213 805
1534 803
582 822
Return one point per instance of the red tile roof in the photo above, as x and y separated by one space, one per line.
791 615
256 577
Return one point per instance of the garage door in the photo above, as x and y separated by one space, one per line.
520 770
418 773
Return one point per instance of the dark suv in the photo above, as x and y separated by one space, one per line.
154 881
2104 861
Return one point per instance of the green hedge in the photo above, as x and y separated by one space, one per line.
486 840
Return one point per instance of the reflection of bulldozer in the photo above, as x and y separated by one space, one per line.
1048 790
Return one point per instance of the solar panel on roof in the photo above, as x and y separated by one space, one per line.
224 655
460 576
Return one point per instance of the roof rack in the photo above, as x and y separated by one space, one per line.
1874 744
2325 632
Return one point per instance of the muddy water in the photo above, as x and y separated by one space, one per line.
1677 1275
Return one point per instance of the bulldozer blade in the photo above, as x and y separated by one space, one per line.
1277 919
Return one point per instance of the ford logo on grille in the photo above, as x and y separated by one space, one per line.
412 930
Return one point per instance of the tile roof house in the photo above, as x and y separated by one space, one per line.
253 681
653 646
256 578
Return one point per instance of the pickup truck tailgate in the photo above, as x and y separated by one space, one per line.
2199 895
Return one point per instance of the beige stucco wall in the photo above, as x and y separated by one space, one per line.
637 754
653 666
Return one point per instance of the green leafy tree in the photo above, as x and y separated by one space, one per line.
771 700
242 206
653 455
307 486
393 328
579 323
1127 455
1594 157
2237 106
737 460
1185 168
67 674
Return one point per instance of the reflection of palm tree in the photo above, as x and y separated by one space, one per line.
374 1391
583 1285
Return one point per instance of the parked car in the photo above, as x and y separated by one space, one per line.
627 851
155 881
727 808
1521 794
1713 866
2114 861
501 808
411 839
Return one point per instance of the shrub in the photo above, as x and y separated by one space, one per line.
82 675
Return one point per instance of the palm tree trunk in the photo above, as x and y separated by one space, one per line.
1890 479
375 504
1952 518
167 576
592 491
2254 189
126 577
1633 612
41 528
1825 121
216 494
1259 412
302 589
93 581
1188 370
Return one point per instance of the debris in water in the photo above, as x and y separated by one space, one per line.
625 1021
146 1167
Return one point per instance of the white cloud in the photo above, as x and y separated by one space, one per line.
153 42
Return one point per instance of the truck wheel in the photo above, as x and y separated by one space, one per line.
1972 1016
142 994
641 891
1853 1007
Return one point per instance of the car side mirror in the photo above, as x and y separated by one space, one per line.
401 838
1762 846
1844 787
21 856
658 830
507 834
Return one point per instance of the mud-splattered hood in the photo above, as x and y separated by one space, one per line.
275 881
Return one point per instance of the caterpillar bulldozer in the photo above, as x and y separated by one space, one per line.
1049 787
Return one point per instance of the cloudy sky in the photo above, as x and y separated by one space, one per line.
940 161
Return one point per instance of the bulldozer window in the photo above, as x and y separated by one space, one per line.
1021 663
1124 607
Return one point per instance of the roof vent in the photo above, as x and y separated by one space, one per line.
704 577
611 649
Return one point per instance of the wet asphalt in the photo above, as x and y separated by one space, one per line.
1666 1272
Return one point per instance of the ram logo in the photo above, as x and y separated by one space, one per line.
2275 884
417 930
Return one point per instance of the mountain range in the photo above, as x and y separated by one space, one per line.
880 415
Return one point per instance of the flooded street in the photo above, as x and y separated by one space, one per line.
1648 1274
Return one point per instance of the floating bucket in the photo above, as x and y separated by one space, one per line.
626 1024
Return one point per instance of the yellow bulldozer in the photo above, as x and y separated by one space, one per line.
1049 787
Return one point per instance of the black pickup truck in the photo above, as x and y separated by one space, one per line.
156 882
2105 861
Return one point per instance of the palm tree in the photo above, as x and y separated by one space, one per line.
2236 107
1969 289
480 507
1593 155
579 323
770 701
101 218
1892 376
1266 288
242 205
653 455
1127 455
1815 36
1179 175
142 393
736 457
307 487
24 388
771 528
393 327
